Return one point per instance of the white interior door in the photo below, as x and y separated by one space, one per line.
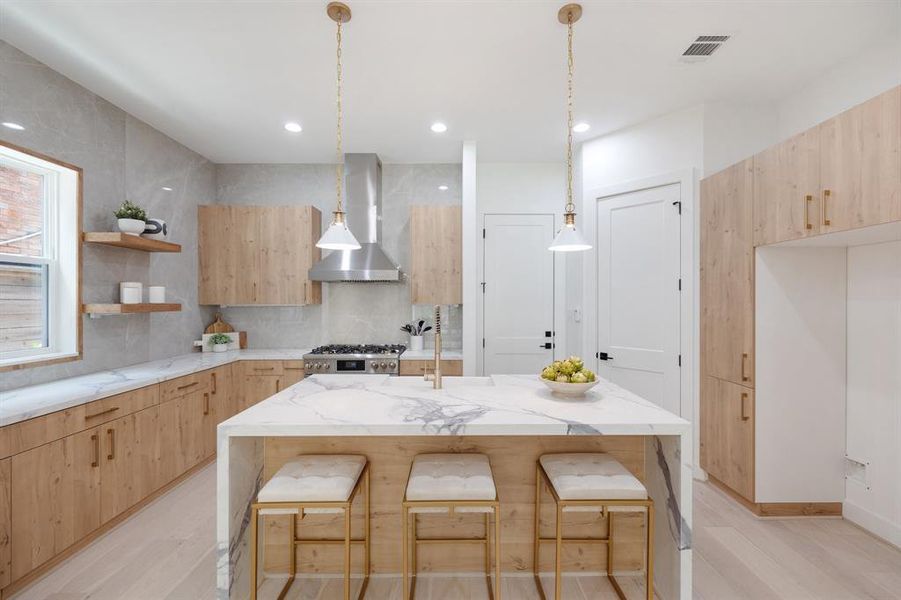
638 241
518 293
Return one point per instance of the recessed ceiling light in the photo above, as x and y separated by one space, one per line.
167 188
443 188
438 127
293 127
12 125
581 127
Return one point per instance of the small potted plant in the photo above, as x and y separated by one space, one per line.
416 330
220 342
132 218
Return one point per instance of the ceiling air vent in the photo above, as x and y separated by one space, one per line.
703 47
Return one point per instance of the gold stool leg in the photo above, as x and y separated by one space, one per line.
406 542
347 517
488 552
610 577
497 552
413 554
253 552
558 556
536 550
650 572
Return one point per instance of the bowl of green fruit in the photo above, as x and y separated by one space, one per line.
568 377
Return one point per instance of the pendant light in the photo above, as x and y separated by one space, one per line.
568 239
338 236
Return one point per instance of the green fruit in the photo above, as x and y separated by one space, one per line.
567 368
577 362
589 374
557 364
579 377
562 379
549 373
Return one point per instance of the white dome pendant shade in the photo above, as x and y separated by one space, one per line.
568 239
338 236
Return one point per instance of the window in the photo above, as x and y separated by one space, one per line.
40 228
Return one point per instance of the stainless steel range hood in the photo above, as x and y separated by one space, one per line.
363 183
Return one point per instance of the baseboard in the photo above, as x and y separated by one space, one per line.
781 509
33 576
873 524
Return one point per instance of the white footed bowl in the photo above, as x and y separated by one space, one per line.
569 389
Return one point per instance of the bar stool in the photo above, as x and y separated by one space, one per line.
451 483
586 482
314 484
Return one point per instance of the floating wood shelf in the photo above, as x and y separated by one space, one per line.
127 309
124 240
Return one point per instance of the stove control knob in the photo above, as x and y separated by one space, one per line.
307 366
318 365
383 365
392 365
327 366
373 365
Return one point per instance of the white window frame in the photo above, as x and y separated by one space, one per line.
61 256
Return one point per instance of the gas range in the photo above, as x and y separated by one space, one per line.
348 359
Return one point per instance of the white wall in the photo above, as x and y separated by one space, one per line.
847 84
734 131
874 388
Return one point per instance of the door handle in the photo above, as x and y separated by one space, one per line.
826 194
213 382
603 356
546 345
187 385
744 375
807 200
96 440
206 403
112 443
744 402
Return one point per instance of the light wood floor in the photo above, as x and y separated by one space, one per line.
167 552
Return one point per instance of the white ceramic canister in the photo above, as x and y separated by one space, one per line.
157 294
130 292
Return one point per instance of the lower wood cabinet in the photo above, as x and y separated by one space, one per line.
727 434
129 464
182 426
5 521
450 368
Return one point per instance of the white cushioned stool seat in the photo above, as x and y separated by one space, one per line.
592 476
451 477
313 478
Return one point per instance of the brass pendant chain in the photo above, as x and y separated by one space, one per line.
339 158
570 207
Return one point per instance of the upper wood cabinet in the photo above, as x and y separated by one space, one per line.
860 165
727 274
436 254
786 190
727 434
258 254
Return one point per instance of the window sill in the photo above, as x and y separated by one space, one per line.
14 364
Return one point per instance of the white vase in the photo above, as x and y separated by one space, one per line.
415 342
131 226
220 347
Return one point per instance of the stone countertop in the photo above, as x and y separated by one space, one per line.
429 354
33 401
496 405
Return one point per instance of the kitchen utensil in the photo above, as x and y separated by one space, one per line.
219 326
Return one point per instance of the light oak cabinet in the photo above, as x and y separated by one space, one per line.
450 368
182 425
130 452
727 274
55 498
258 255
5 521
259 379
436 254
727 434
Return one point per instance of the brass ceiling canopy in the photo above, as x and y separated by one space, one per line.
338 12
570 13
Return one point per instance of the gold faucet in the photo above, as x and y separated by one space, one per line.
435 375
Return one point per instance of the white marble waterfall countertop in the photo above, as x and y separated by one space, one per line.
429 354
496 405
36 400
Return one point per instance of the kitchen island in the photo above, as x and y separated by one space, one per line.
512 419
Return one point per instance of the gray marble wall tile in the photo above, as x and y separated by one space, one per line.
350 312
122 157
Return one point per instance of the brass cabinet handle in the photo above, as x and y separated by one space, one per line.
744 401
264 368
96 439
826 194
206 403
187 385
807 200
112 443
102 412
213 382
744 373
278 385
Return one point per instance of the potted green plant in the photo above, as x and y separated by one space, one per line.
220 342
131 218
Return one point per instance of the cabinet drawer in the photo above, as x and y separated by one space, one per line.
176 388
262 367
449 368
120 405
32 433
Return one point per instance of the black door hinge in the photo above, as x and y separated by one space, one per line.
680 284
483 233
678 203
483 287
483 342
680 360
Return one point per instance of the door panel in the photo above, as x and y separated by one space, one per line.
5 521
256 388
519 293
638 274
727 275
55 498
786 190
727 434
130 462
284 260
181 434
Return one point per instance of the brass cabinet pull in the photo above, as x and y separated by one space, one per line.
112 443
102 412
744 401
278 385
807 200
264 368
188 385
826 194
206 403
213 382
96 439
744 373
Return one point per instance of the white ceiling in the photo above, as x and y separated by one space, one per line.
223 77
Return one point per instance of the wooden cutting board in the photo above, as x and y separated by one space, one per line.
219 326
